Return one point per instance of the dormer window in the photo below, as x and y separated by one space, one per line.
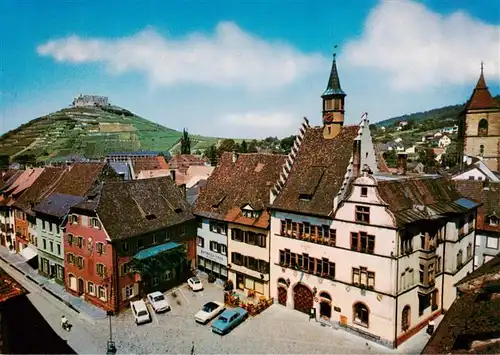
492 221
364 191
247 211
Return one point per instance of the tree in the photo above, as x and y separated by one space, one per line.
427 157
185 142
391 158
211 154
4 162
243 147
252 147
286 143
227 145
452 156
25 160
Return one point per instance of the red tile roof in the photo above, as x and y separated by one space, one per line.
319 170
136 207
184 161
9 287
234 185
40 189
481 97
80 178
487 193
149 163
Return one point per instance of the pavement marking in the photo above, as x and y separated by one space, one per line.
184 295
153 314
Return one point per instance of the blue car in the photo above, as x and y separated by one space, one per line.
228 320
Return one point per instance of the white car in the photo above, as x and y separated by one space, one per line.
158 302
140 312
208 312
195 284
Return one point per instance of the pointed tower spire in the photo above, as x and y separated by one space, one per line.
333 86
333 103
481 97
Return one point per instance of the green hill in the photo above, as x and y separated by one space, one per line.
449 113
92 132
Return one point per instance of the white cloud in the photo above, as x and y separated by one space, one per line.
229 57
419 48
262 120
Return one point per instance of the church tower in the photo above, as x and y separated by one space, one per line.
333 104
480 126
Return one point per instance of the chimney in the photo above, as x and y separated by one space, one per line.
172 175
235 156
402 163
356 157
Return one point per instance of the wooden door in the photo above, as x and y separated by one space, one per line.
302 299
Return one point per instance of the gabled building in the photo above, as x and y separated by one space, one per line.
126 239
9 196
233 229
6 215
471 324
479 126
487 193
473 169
376 254
25 220
51 218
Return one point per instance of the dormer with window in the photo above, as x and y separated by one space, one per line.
492 220
248 211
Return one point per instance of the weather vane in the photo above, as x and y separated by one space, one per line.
334 52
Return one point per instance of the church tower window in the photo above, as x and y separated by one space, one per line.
482 129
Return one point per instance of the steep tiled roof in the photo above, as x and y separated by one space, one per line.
488 193
82 177
333 86
481 97
412 199
57 205
6 183
42 186
474 317
234 185
9 287
136 207
6 175
318 171
150 163
25 180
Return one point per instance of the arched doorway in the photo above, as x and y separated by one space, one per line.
282 294
325 306
302 298
325 309
405 319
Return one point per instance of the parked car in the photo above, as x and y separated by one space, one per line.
158 302
228 320
140 312
195 284
209 311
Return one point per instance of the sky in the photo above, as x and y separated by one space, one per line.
244 69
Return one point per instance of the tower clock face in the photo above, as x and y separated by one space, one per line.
328 116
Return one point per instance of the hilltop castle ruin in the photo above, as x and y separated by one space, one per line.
90 100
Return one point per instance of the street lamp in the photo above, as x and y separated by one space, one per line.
111 348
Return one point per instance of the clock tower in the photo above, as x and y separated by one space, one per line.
333 104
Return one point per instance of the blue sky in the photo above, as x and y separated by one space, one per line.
241 68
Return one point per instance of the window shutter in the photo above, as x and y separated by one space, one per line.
136 289
124 293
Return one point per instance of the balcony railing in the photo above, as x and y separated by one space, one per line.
311 239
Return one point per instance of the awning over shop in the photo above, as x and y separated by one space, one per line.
149 252
28 253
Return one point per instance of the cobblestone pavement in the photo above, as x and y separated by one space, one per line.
277 330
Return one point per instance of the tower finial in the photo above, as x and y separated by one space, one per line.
482 67
334 51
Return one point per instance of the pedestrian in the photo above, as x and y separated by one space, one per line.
192 349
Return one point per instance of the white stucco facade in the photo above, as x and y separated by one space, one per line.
403 275
50 249
211 247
